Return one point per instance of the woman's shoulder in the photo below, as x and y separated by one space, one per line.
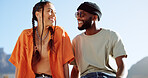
27 31
59 28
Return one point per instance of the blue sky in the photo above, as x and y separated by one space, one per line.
127 17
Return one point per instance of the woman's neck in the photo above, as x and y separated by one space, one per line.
42 30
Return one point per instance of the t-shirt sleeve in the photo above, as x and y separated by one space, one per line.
67 49
15 56
117 46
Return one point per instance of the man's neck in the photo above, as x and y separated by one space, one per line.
92 30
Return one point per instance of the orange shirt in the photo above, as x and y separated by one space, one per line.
21 56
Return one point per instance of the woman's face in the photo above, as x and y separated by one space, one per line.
49 15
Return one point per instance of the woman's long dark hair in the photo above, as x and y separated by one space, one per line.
36 55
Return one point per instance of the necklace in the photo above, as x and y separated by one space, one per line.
40 37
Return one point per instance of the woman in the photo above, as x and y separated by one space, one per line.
45 50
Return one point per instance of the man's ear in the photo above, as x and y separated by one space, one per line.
95 17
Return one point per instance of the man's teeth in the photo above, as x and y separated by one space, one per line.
80 21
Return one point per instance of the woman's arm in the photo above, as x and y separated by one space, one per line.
66 70
16 72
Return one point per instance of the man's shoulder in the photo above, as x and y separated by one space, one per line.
111 33
77 37
108 31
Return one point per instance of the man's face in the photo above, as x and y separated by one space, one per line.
84 19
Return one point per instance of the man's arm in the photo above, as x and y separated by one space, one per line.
121 71
75 72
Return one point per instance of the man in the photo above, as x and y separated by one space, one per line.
93 48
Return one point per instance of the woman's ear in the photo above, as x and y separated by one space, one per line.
38 15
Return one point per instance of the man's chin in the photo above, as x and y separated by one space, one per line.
80 25
80 28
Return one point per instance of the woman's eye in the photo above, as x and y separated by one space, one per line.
50 11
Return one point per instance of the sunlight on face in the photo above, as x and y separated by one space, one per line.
49 14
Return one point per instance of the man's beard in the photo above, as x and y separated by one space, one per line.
87 24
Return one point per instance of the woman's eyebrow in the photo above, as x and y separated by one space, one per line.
51 9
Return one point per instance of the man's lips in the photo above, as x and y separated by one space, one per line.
80 23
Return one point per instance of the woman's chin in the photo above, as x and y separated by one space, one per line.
48 26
